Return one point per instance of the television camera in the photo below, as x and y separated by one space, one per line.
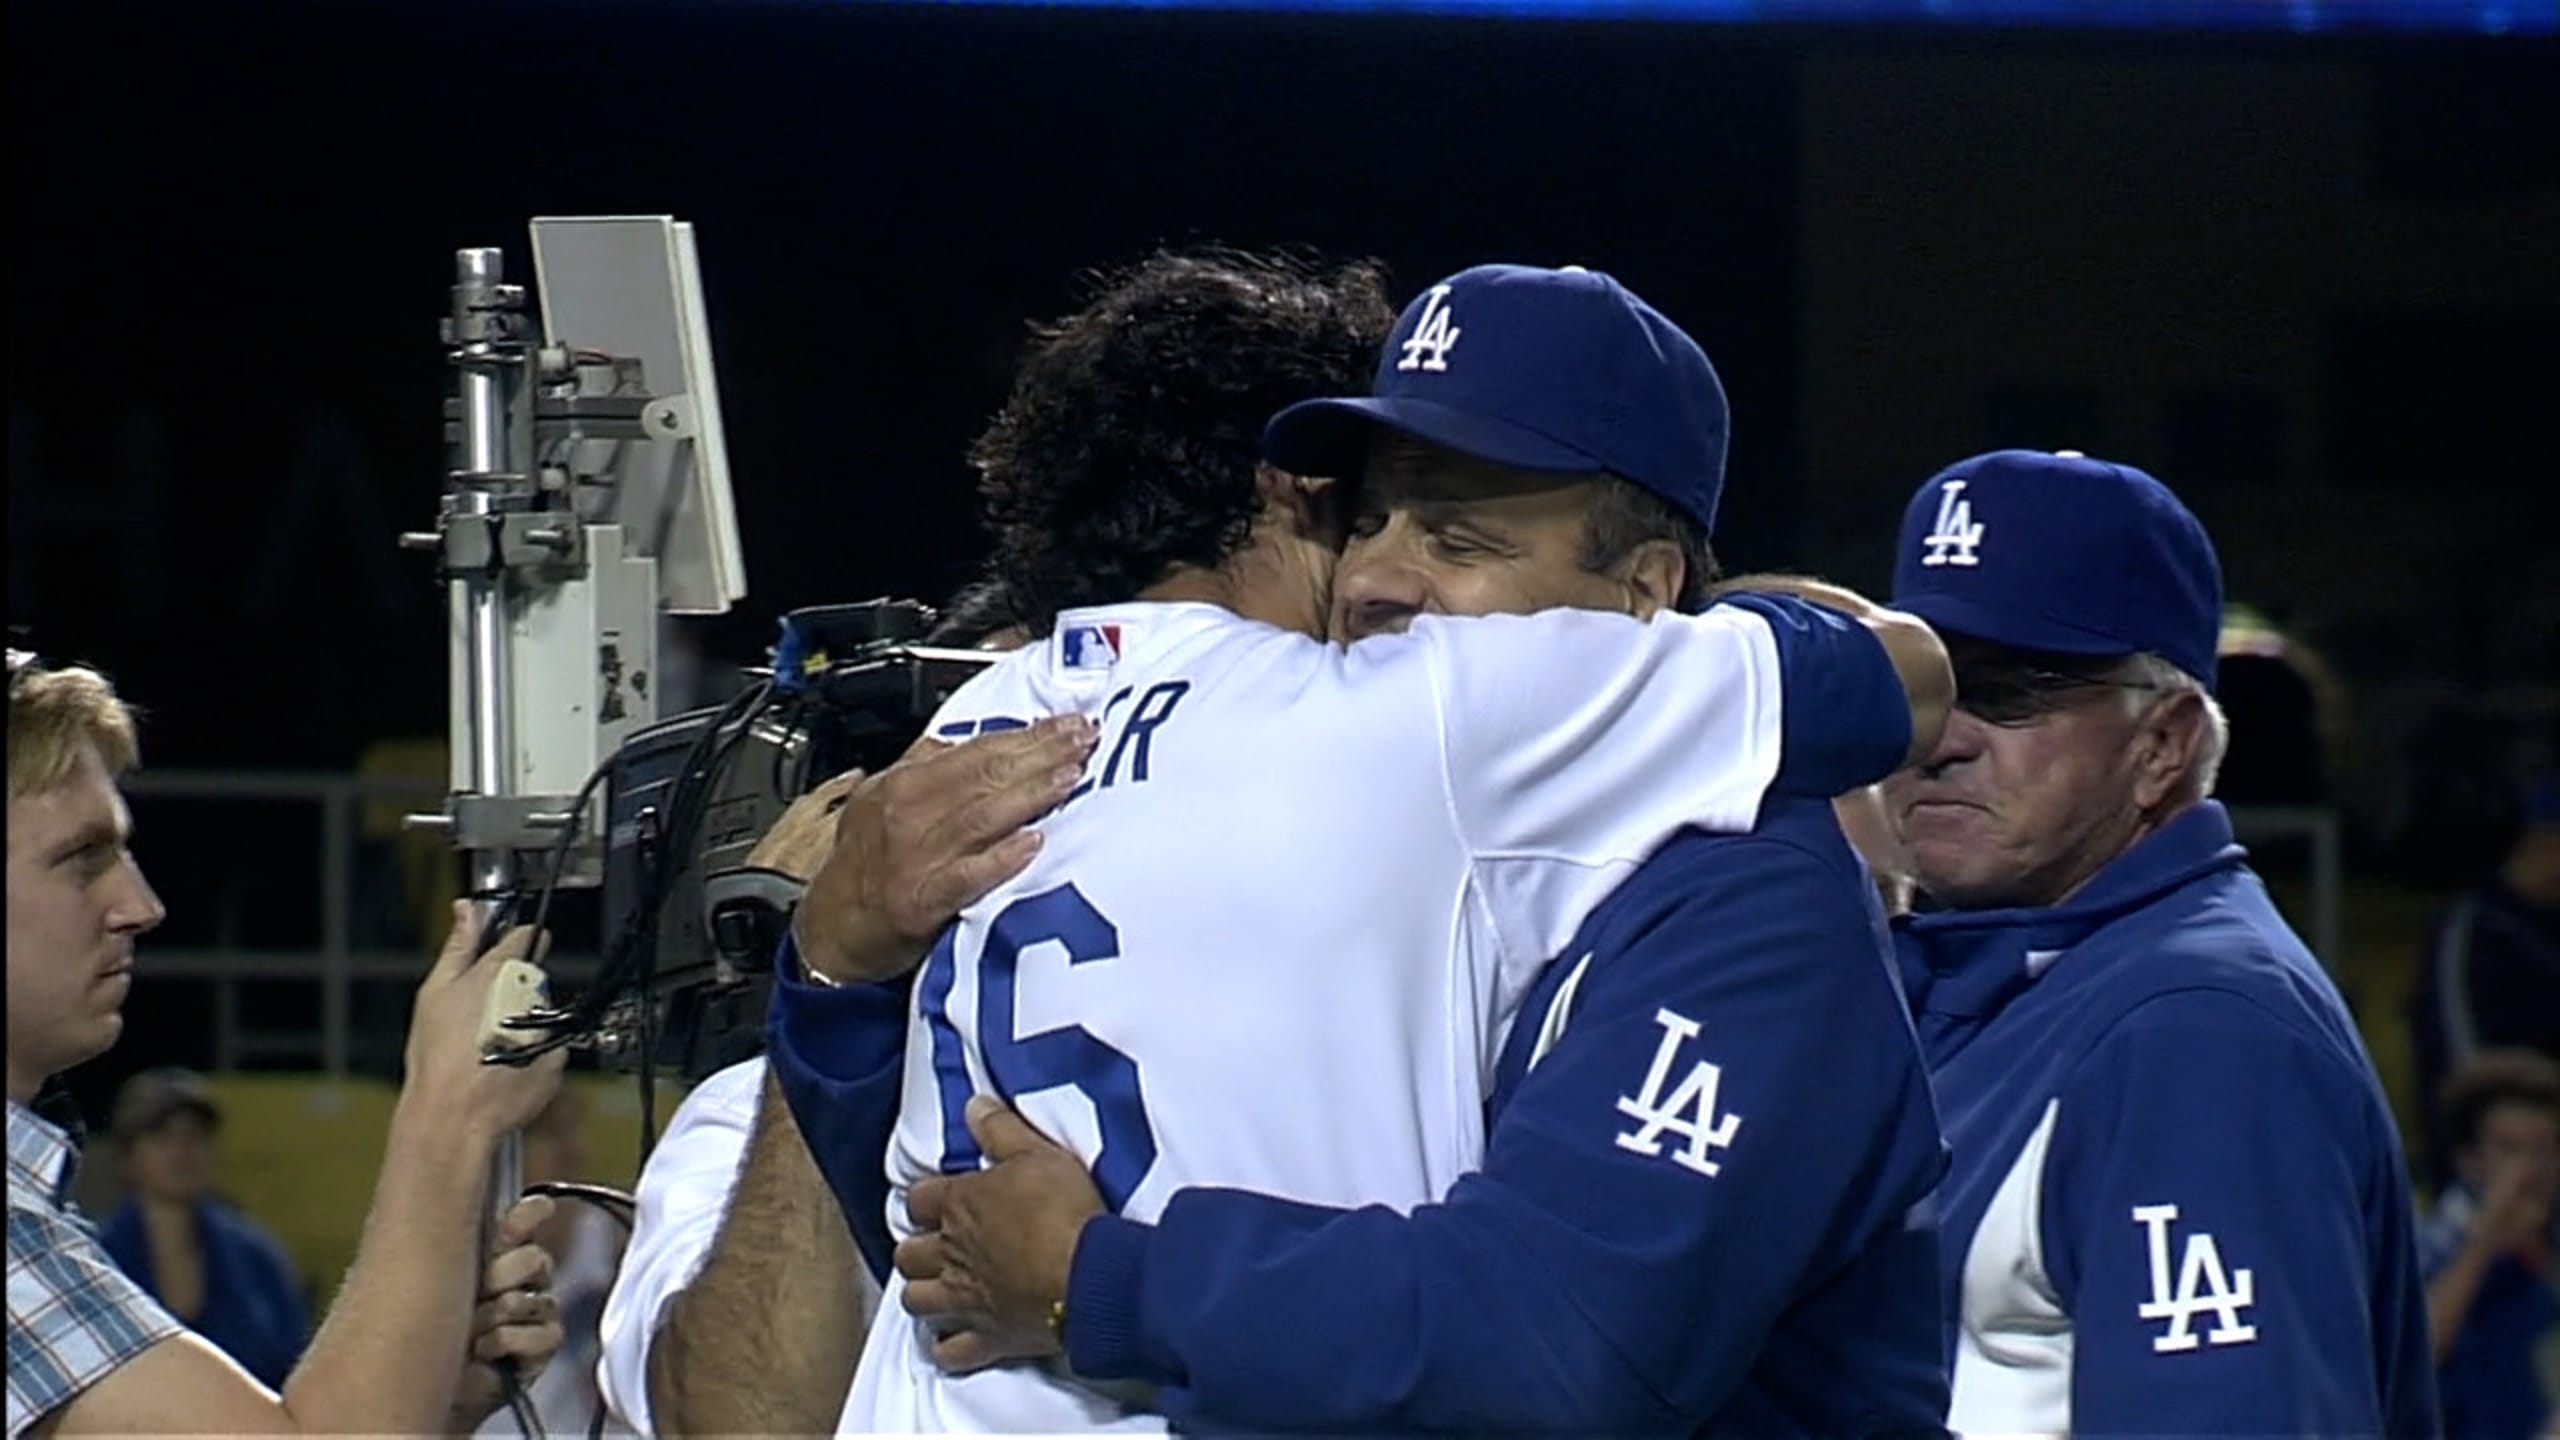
587 499
687 800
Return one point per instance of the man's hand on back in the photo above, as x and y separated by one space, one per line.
799 842
997 1245
927 836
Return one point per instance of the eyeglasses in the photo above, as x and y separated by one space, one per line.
2012 692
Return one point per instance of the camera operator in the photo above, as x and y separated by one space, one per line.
89 1352
737 1236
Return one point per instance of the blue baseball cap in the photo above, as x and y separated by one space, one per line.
1564 371
2062 553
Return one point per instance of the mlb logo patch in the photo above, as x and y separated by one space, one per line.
1089 647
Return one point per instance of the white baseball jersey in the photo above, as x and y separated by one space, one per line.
1275 937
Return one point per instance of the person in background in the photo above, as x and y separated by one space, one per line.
2490 977
2176 1202
209 1265
2493 1295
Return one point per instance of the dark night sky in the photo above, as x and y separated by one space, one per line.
243 232
233 226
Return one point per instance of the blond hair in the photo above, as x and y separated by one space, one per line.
53 713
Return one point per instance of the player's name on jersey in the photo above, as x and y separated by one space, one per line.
1128 726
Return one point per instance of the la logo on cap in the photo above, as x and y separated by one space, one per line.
1954 537
1434 337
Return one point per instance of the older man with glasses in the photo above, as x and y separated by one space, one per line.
2177 1202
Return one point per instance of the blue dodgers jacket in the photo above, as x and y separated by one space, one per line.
2178 1205
1702 1206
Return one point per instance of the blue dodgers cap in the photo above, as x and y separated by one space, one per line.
2062 553
1553 370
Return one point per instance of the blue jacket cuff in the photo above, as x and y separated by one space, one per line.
1106 1336
1846 721
800 1003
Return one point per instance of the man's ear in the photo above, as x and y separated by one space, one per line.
2166 747
1311 504
1653 572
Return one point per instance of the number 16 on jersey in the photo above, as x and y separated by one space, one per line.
1021 1065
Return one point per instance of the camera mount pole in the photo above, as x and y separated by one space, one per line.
483 330
486 337
504 540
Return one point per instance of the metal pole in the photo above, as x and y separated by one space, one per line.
484 607
482 597
226 1022
337 846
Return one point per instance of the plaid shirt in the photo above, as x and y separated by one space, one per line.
73 1316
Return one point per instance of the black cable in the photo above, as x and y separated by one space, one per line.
519 1401
687 808
634 946
621 1206
513 897
624 1208
687 801
789 719
568 841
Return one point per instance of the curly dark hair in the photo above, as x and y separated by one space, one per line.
975 612
1134 431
